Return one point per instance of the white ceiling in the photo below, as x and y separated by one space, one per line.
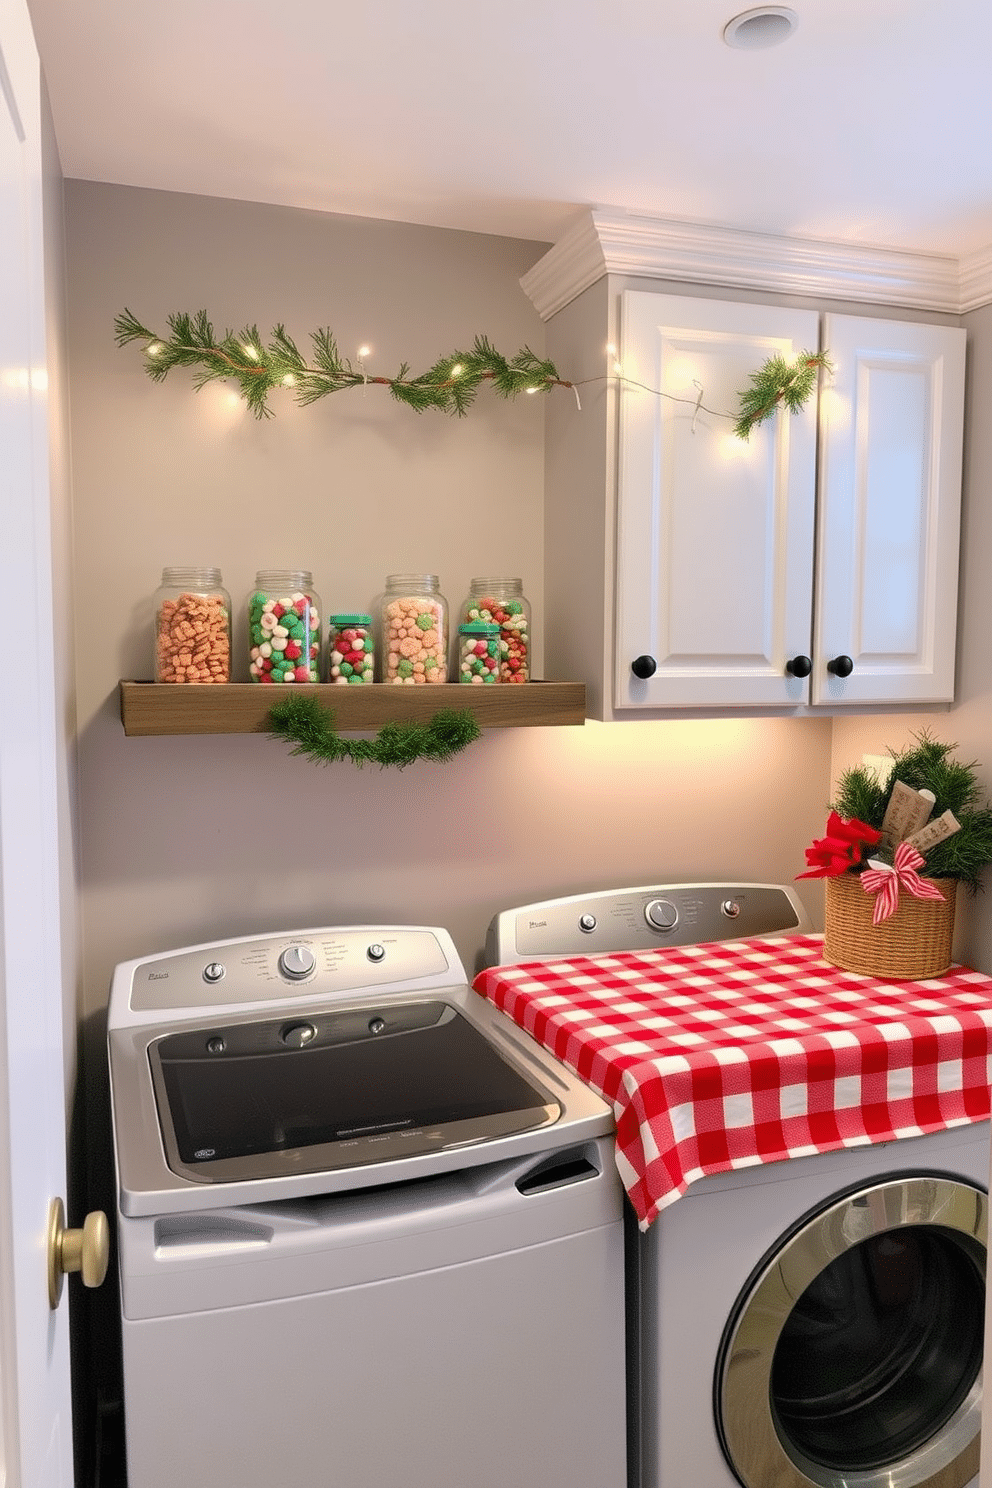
872 123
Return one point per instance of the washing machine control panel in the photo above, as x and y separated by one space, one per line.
326 963
643 918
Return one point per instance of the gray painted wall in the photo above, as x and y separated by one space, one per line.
191 838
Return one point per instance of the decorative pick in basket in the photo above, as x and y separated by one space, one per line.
884 917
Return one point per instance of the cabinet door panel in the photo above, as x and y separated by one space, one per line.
889 515
715 534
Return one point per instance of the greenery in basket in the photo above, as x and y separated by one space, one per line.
929 765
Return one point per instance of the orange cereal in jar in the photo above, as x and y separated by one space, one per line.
192 627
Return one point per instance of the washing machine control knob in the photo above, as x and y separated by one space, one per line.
661 914
376 952
297 962
587 922
730 908
213 971
298 1035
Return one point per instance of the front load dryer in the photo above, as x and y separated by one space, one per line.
810 1323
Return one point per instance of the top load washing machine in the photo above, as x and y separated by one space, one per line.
809 1323
370 1235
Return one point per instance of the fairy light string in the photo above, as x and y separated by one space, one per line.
450 385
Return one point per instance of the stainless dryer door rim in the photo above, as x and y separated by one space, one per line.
756 1443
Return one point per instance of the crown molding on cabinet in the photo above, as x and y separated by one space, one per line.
608 241
976 279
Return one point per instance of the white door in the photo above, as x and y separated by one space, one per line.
36 1444
715 535
891 427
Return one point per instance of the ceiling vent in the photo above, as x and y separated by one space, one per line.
753 30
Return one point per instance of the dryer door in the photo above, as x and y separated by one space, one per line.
854 1355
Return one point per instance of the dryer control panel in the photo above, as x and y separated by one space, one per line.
643 918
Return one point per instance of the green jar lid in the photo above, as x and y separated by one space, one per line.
477 628
351 620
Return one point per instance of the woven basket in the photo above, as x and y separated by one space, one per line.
912 944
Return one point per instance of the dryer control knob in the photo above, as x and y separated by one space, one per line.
730 908
587 922
297 962
376 952
661 914
213 971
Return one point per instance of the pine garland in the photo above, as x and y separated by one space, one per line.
928 766
300 719
259 368
776 383
451 384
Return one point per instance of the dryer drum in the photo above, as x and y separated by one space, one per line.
853 1358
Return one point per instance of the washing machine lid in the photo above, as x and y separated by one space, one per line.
320 1091
316 1061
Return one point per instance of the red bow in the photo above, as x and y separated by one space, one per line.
885 882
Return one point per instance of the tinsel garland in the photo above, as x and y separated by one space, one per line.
301 720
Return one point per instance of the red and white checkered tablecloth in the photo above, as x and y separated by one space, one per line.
734 1053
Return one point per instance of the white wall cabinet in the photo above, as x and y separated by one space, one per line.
814 564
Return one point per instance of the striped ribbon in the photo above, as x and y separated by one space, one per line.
885 881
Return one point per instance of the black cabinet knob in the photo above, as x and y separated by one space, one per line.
841 666
799 666
643 667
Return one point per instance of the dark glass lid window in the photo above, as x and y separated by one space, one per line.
266 1087
880 1350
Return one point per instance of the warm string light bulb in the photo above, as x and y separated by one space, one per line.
251 352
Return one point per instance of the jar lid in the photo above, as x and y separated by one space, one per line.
351 620
292 578
478 628
191 575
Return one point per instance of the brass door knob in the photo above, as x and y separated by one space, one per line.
86 1251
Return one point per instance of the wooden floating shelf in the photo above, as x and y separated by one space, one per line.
243 707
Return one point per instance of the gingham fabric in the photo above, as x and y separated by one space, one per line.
725 1055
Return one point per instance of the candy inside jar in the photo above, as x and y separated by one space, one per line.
501 601
478 654
284 627
350 649
414 630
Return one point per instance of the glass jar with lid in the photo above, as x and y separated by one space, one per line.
192 627
284 643
478 653
413 630
502 602
350 649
